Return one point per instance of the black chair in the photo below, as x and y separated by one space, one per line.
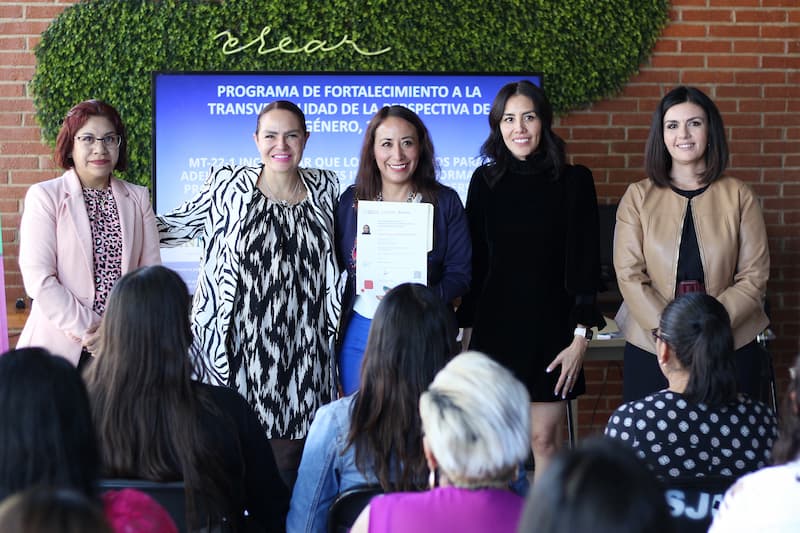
693 502
769 389
169 495
348 505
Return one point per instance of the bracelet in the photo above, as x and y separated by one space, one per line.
582 331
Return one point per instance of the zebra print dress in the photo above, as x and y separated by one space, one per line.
215 216
278 352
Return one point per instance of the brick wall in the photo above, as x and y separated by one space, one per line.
744 53
24 158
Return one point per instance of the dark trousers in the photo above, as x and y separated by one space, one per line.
288 453
642 375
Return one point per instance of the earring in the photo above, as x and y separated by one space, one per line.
433 478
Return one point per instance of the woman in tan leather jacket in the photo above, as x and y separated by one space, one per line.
688 227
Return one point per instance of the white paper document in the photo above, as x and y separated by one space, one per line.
392 245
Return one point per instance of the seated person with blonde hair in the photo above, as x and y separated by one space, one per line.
476 428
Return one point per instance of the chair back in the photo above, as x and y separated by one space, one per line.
348 505
169 495
693 502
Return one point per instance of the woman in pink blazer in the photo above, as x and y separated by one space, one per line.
81 232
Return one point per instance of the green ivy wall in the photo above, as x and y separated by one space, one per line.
105 49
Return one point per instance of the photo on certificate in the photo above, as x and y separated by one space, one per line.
392 245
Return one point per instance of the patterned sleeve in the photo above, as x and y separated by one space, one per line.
150 253
185 222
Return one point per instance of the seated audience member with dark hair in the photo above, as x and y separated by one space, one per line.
46 433
47 441
48 510
766 500
45 509
374 436
476 431
154 422
600 487
699 425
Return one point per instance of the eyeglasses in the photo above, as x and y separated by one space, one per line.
110 141
657 336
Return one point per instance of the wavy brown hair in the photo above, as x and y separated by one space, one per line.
409 342
144 405
368 179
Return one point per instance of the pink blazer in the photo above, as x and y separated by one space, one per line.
56 258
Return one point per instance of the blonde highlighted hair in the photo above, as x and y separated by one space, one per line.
476 420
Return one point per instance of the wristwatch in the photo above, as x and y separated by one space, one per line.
584 332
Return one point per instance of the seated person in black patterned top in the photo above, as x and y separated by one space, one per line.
698 425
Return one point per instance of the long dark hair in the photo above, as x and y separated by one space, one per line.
551 147
46 431
787 447
658 162
144 404
368 179
409 341
698 329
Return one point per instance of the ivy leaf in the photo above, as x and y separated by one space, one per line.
107 49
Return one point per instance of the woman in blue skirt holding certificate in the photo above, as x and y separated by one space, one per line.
397 165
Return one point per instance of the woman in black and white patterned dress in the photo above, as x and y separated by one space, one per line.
267 300
699 425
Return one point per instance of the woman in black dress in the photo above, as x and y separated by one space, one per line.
536 260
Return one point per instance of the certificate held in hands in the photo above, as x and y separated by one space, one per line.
392 245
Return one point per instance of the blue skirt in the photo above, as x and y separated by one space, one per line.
352 352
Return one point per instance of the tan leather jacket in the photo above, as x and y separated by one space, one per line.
733 250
